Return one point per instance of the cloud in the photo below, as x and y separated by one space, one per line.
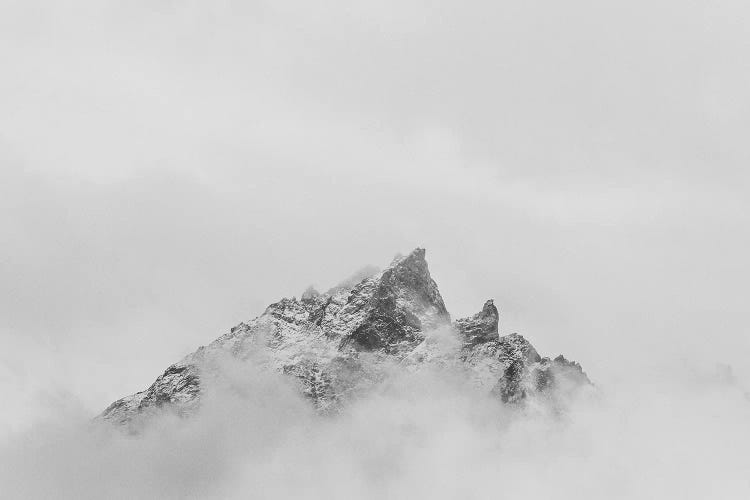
425 434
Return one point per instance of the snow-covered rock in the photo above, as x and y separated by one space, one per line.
336 345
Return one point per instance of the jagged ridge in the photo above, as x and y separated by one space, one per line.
324 339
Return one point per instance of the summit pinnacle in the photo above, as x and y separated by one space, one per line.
481 327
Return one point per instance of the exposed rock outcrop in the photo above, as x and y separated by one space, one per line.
482 327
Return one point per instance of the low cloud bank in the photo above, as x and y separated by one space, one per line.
419 435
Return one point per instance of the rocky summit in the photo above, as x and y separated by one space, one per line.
334 345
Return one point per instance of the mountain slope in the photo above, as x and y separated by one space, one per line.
338 344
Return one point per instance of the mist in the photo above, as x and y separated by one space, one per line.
167 169
426 434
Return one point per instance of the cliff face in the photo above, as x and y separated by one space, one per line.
333 344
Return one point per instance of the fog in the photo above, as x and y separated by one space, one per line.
426 435
167 169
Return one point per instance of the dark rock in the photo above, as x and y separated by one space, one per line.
482 327
403 295
510 387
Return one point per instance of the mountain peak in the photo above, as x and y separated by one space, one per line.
320 340
399 304
489 309
416 254
482 327
414 258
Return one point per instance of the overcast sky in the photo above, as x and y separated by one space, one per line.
167 169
